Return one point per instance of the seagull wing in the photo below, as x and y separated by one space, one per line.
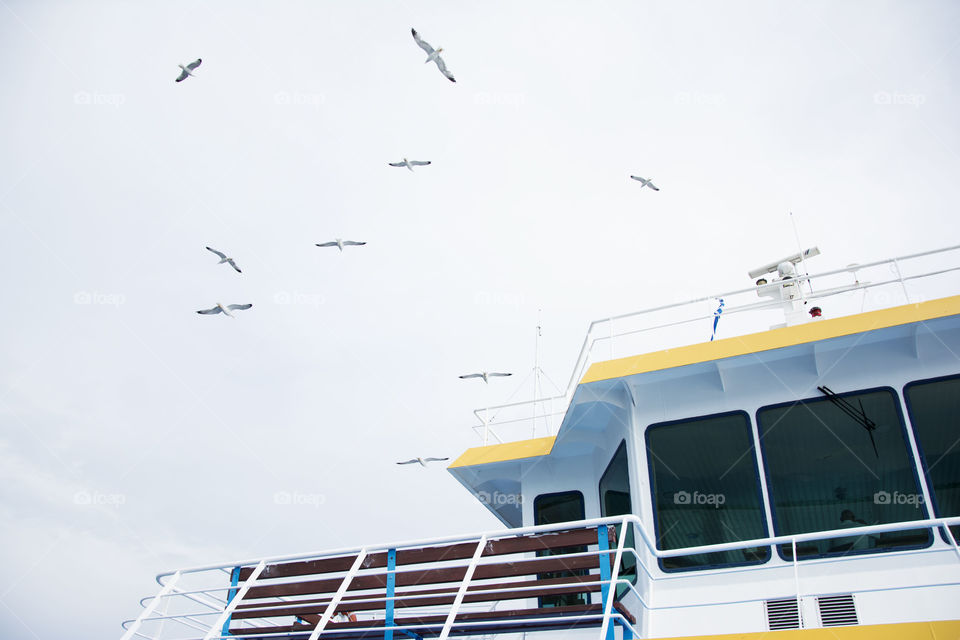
352 243
423 45
182 76
234 265
209 312
396 164
327 244
472 375
502 375
239 307
443 69
420 163
222 256
651 185
193 65
435 459
414 461
636 178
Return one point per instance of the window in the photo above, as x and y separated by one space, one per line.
706 489
934 407
615 501
841 461
551 508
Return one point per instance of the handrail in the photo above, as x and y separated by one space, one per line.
593 336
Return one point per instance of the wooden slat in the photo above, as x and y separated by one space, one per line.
427 576
461 551
512 620
477 593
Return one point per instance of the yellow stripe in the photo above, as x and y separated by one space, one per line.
504 452
943 630
773 339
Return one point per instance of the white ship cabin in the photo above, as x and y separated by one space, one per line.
793 468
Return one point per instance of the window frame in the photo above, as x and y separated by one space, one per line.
756 476
897 398
621 590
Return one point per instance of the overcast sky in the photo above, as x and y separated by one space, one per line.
137 436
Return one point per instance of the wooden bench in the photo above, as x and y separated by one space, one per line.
392 589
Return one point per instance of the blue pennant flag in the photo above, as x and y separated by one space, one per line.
716 320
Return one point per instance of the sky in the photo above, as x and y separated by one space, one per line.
137 436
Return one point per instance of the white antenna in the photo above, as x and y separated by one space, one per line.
803 263
536 378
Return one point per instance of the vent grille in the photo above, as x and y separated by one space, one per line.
837 611
782 614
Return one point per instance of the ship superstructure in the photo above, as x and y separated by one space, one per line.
793 468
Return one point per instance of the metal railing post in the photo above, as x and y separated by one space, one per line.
234 580
150 608
609 591
237 597
796 582
391 592
462 591
332 607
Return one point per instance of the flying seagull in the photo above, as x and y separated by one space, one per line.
225 309
433 55
646 182
485 375
423 461
185 70
223 258
409 164
340 244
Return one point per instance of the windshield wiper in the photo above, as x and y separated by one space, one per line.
858 415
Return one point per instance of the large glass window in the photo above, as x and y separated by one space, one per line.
841 461
706 489
553 508
934 407
615 501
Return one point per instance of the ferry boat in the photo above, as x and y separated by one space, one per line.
793 470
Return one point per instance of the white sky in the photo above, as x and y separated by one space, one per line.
185 427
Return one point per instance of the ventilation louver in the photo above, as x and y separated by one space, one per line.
837 611
782 614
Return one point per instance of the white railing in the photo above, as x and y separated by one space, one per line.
202 599
840 292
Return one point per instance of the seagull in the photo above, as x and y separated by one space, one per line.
485 375
423 461
340 244
185 70
433 55
225 309
645 182
223 258
409 164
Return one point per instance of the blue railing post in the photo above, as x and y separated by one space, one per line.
234 581
603 541
391 591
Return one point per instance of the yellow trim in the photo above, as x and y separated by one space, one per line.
504 452
773 339
942 630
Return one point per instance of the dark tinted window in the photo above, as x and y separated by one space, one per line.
615 501
552 508
841 461
706 489
935 414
